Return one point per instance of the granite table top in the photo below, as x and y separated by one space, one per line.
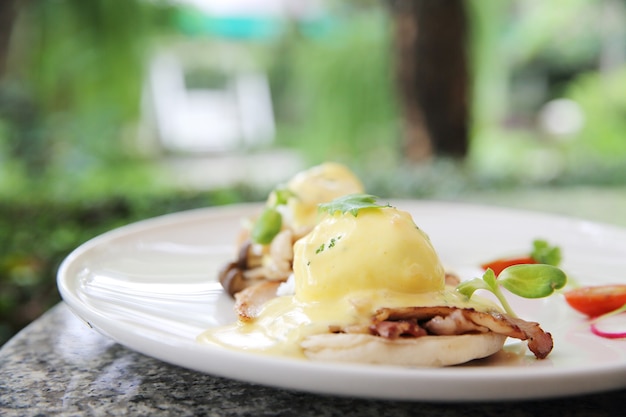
59 366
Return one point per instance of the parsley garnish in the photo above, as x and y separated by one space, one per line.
270 222
351 203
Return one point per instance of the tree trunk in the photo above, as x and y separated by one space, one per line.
432 76
7 17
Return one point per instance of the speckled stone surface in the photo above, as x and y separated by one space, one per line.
59 366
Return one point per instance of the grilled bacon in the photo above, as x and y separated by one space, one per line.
443 320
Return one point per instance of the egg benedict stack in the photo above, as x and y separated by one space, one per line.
369 287
265 245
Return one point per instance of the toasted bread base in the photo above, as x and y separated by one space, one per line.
425 351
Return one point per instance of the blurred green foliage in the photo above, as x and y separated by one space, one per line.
602 97
527 53
73 89
338 100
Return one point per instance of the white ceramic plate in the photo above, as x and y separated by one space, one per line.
151 286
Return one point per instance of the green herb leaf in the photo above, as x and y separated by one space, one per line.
266 226
532 280
528 281
351 203
544 253
490 278
269 223
467 288
282 195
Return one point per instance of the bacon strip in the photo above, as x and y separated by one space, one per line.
441 320
539 341
395 329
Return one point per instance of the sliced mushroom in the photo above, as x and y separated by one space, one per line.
231 278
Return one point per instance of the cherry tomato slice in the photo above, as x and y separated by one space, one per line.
500 264
597 300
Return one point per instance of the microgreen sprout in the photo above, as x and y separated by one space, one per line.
544 253
527 281
351 203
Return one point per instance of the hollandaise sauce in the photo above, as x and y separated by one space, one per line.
285 321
